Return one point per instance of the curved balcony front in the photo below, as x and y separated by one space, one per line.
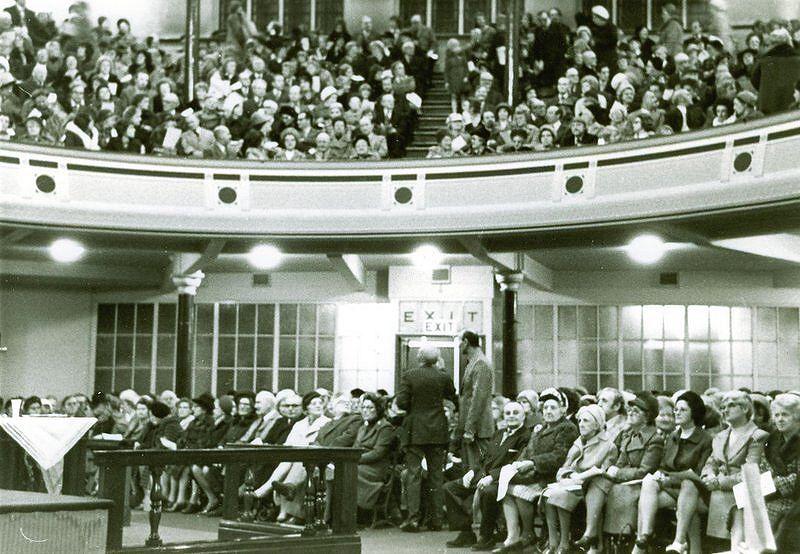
753 167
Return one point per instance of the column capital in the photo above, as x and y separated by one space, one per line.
188 283
509 281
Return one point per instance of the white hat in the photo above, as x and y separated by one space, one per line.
327 92
270 103
601 12
617 80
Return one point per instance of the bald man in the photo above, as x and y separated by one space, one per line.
422 393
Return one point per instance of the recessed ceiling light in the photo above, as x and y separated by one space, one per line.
427 255
66 250
264 256
646 249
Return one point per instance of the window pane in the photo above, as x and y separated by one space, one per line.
788 363
699 382
724 382
587 321
632 381
766 323
104 352
203 351
608 380
653 322
631 322
166 318
653 382
165 379
632 13
102 380
166 351
674 322
543 322
445 16
224 381
227 319
266 319
286 352
141 380
245 379
474 7
567 322
653 356
327 319
247 319
673 356
286 379
308 319
608 322
326 348
787 324
720 317
608 357
264 355
741 324
673 382
144 351
698 357
567 356
543 356
144 318
742 357
588 381
587 356
325 379
226 353
124 353
125 314
263 379
306 355
205 318
244 354
105 318
202 381
721 358
698 322
632 357
328 11
305 381
288 317
123 379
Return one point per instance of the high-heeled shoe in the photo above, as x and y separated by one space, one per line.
585 543
678 548
177 507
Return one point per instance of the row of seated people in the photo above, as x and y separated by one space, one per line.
271 96
620 457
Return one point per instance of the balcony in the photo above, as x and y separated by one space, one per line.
715 174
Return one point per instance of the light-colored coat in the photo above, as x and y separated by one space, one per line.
475 401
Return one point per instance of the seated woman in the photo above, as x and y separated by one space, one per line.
375 437
782 457
742 442
639 452
530 401
591 454
677 483
536 466
288 480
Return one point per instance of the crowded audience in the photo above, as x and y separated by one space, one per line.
584 467
340 94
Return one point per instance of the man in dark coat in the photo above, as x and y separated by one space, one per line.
776 73
21 16
422 393
504 449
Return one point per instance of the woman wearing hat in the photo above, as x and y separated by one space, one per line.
290 153
536 466
676 483
745 107
210 477
639 452
589 457
197 434
741 442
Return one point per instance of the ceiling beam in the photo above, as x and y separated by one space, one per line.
534 273
16 235
351 267
89 274
213 250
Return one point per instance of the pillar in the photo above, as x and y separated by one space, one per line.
187 285
513 59
191 47
509 287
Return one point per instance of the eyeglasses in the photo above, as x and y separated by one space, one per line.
291 405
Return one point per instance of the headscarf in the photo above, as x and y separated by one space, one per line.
595 412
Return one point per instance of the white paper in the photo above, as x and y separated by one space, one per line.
357 78
168 444
270 145
506 473
433 55
110 436
458 143
414 99
501 55
315 83
304 44
467 479
113 88
633 482
471 66
125 78
423 464
767 488
171 137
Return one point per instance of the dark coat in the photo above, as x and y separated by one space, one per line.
36 30
639 453
547 448
375 439
279 431
502 452
239 427
774 76
475 400
685 454
340 432
168 428
421 393
220 430
455 72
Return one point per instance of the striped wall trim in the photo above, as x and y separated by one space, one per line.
783 134
300 178
405 177
226 177
42 163
136 172
9 160
491 173
661 155
746 140
576 165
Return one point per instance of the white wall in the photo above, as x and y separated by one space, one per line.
49 335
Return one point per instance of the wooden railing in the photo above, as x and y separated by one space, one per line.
236 461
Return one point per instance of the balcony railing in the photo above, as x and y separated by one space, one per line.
686 174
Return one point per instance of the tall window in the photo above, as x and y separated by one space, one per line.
445 16
412 7
328 11
297 12
474 7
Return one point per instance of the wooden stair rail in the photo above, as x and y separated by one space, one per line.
113 464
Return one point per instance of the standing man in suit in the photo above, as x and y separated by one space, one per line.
475 420
21 16
458 494
422 393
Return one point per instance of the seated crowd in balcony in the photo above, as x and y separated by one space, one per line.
270 95
614 452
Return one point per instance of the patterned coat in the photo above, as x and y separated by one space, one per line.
782 458
547 449
475 401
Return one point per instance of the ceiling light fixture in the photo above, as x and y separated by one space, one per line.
264 256
646 249
427 256
66 250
